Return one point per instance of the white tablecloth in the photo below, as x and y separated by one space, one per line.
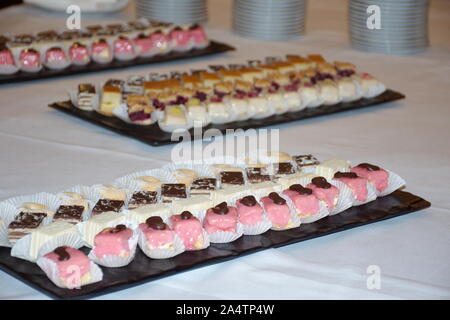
42 149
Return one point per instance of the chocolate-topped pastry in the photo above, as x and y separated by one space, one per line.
305 161
257 175
248 201
62 253
49 35
172 191
221 208
156 223
116 83
118 228
275 197
86 88
24 223
68 213
368 166
186 215
300 189
23 39
106 205
203 186
231 178
350 175
284 168
142 198
86 96
321 182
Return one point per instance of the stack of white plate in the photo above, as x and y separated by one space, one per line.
269 19
403 26
176 11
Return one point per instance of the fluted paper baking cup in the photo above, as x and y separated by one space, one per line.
294 220
201 170
226 236
121 112
257 228
114 261
98 190
45 198
22 248
177 248
395 182
371 195
345 197
323 212
310 97
89 242
7 214
90 194
129 181
8 69
176 128
51 270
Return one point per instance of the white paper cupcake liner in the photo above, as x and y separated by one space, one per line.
21 248
90 242
121 112
7 214
48 199
395 182
294 220
345 198
129 181
90 194
113 261
178 247
371 195
298 107
374 91
261 114
323 212
73 94
176 128
257 228
99 188
196 122
201 170
310 101
8 69
51 270
226 236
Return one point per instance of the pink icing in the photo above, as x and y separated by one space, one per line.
249 215
123 45
6 57
198 35
144 44
66 267
99 47
279 215
378 178
114 244
79 53
189 230
221 222
306 204
157 238
30 58
55 55
180 37
329 195
159 40
358 187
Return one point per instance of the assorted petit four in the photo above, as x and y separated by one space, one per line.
231 178
97 223
221 218
190 230
328 168
202 186
86 97
107 205
142 198
101 44
277 210
69 213
113 241
172 191
305 202
249 210
375 175
324 191
158 235
25 223
357 184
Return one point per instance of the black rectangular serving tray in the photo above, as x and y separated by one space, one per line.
154 136
143 269
213 48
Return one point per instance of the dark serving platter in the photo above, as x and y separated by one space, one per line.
154 136
213 48
143 269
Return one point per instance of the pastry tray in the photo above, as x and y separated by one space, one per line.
143 269
154 136
213 48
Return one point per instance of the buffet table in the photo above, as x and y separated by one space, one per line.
44 150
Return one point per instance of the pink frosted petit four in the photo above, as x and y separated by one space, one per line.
124 48
79 54
325 191
113 242
30 60
249 210
101 51
277 210
221 218
157 233
160 41
189 228
374 174
357 184
56 58
306 204
144 45
6 60
181 39
198 36
72 264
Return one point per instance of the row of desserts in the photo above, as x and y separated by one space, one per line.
239 92
101 44
196 221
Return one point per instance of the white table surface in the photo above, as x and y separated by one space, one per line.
44 150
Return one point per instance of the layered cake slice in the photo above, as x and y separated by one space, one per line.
25 223
172 191
86 96
142 198
71 214
203 186
139 109
110 100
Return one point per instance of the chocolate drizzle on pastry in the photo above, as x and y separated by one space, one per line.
157 223
118 228
186 215
275 197
62 253
350 175
248 201
321 182
300 189
221 208
368 166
